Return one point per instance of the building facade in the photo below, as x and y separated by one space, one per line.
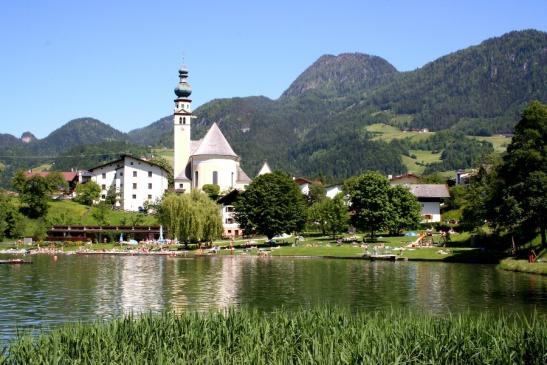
135 181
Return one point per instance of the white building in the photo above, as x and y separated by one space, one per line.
430 197
210 160
332 191
135 181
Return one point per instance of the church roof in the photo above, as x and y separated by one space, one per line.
265 169
214 143
242 176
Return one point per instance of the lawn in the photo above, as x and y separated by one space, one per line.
426 157
384 132
166 153
524 266
69 212
499 142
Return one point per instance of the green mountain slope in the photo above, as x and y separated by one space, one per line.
480 89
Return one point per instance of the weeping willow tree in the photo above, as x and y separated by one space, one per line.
190 217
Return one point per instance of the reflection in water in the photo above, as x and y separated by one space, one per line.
75 288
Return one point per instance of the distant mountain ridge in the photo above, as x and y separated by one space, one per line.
316 127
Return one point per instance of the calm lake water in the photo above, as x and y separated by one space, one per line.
83 288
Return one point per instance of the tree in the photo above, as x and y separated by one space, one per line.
87 193
370 203
405 210
162 162
190 217
34 192
111 196
12 224
212 190
100 213
336 215
317 193
271 205
519 198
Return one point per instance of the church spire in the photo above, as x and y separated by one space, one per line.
183 89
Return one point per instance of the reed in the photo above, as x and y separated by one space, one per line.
306 336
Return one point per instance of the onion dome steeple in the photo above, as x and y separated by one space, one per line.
183 89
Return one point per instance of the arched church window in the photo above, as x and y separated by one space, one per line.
184 120
215 177
180 120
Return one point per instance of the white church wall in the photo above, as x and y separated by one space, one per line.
225 168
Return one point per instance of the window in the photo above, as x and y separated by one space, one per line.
232 181
104 175
215 177
229 231
196 179
103 196
149 185
134 196
134 185
149 196
121 173
428 217
180 120
229 209
131 163
134 173
103 187
184 120
149 173
181 186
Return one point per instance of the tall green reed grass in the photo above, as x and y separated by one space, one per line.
306 336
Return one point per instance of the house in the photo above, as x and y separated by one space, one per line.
304 184
231 227
404 179
71 178
135 181
332 191
430 197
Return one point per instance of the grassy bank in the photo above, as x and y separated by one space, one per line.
319 336
523 266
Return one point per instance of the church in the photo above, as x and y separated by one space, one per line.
210 160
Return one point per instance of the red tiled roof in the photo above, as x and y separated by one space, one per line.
68 176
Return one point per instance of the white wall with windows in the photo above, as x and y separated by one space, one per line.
430 211
136 181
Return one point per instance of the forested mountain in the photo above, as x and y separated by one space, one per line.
77 132
159 133
343 75
318 125
480 89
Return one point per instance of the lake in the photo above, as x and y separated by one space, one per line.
83 288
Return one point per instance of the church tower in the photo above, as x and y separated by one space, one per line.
182 121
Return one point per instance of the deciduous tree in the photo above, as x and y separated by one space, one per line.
271 205
87 193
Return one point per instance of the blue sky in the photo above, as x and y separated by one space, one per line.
117 60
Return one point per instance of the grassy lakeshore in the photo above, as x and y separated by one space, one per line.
312 246
320 336
523 266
